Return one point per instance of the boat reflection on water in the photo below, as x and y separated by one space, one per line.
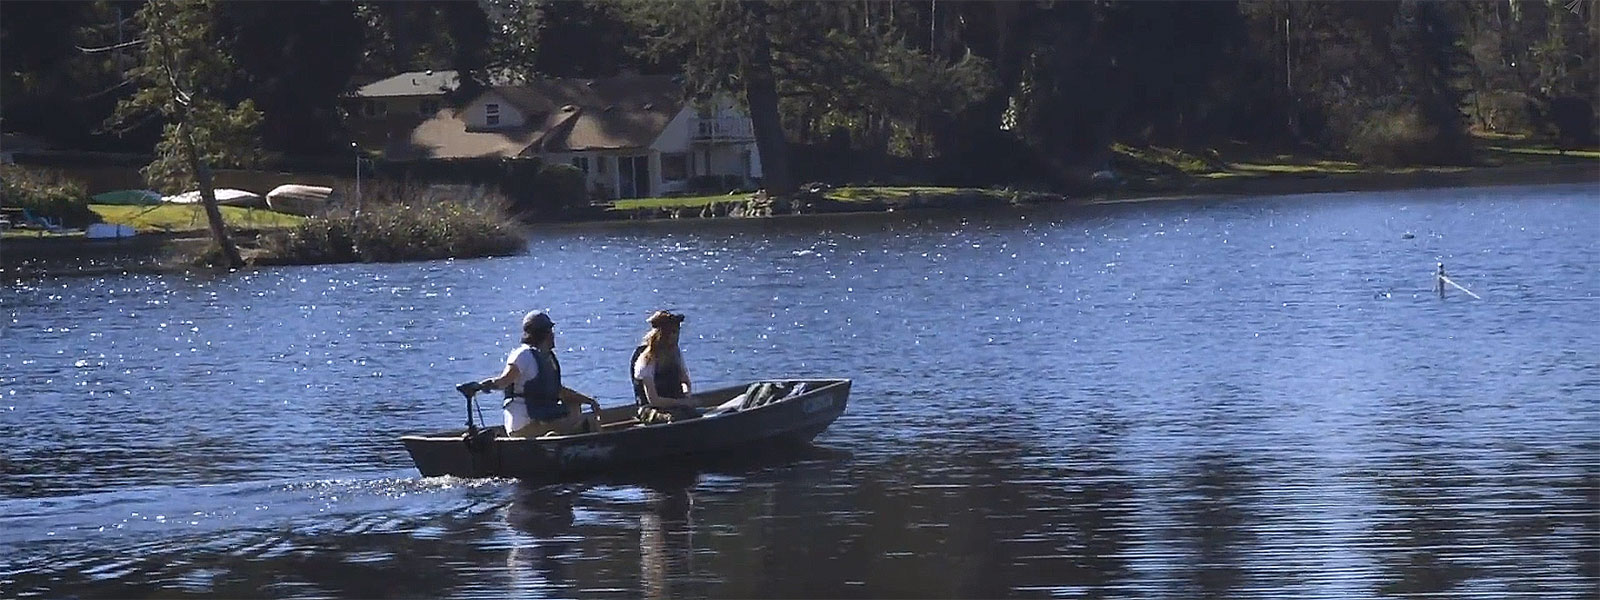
545 514
666 536
568 537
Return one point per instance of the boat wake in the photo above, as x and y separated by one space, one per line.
113 535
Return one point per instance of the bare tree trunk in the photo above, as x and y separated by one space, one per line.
761 93
208 197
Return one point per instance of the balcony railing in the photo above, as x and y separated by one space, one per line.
719 130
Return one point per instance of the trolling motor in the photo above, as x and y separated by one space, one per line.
474 437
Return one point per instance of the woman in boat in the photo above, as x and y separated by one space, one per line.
660 379
536 403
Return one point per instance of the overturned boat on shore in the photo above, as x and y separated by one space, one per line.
753 416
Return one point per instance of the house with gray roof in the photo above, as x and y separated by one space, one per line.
412 93
633 136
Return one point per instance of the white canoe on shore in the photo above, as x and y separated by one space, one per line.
297 199
225 197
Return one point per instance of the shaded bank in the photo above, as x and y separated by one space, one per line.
147 253
155 252
884 199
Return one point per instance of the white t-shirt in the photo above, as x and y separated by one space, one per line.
646 370
515 411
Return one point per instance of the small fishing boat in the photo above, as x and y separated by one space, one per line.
761 414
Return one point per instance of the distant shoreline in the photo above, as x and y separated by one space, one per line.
17 252
1289 185
1204 189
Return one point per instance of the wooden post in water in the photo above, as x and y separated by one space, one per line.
1439 279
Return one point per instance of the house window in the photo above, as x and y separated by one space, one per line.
373 108
675 166
745 158
428 108
600 165
581 162
491 114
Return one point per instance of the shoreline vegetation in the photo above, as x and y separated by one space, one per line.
405 223
395 224
1152 174
831 107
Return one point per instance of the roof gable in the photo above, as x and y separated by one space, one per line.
563 115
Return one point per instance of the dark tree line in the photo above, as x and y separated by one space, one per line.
995 91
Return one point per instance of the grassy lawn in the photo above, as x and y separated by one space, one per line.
189 217
901 193
1546 151
30 234
1212 164
682 202
843 194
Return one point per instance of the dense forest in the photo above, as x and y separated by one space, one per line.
991 91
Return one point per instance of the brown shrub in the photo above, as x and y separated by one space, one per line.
400 223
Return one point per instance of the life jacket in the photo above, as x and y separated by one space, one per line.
545 387
669 381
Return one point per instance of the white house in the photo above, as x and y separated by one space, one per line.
633 136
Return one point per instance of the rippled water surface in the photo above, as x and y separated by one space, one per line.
1241 399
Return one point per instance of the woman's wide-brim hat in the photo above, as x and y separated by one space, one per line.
663 318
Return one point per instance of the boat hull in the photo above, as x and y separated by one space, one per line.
790 420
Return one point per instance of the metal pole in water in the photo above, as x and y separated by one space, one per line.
353 146
1443 279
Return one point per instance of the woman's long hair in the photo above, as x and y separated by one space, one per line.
661 347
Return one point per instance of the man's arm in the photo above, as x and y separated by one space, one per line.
502 380
569 395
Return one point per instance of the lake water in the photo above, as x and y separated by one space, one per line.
1260 398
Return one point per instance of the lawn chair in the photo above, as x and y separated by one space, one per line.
41 221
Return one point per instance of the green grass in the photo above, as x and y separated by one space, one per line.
843 194
28 234
189 217
1318 168
1547 151
1214 165
683 202
900 193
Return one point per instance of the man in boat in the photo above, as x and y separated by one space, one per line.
536 403
660 379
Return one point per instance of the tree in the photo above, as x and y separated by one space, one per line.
179 75
514 43
52 89
293 59
728 49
